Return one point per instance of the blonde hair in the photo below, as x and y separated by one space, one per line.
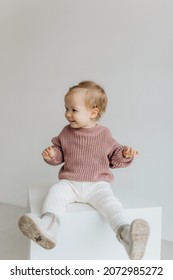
95 96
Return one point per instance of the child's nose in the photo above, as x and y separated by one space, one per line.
68 114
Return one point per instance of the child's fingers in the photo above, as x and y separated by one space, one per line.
127 149
51 151
48 152
130 152
133 152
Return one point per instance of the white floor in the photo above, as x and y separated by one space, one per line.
13 245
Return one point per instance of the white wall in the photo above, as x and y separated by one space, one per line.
126 45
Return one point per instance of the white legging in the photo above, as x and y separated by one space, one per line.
97 194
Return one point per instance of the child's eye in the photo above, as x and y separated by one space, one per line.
74 110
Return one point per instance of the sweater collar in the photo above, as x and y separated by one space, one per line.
87 131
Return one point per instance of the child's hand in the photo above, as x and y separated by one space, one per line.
129 152
48 153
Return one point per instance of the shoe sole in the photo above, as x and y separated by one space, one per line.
140 231
30 229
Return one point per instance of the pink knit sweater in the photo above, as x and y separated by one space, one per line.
87 154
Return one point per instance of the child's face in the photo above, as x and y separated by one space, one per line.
78 115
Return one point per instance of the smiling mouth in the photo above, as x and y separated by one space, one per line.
72 122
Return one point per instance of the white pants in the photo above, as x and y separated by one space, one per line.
97 194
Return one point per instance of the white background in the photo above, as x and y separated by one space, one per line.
126 46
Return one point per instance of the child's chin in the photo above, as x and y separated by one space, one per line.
74 125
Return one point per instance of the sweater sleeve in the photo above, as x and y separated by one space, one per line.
116 158
58 158
115 155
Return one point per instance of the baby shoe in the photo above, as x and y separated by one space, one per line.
40 231
134 238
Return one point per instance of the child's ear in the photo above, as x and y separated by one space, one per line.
94 113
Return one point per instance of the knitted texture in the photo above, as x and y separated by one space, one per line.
87 154
97 194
